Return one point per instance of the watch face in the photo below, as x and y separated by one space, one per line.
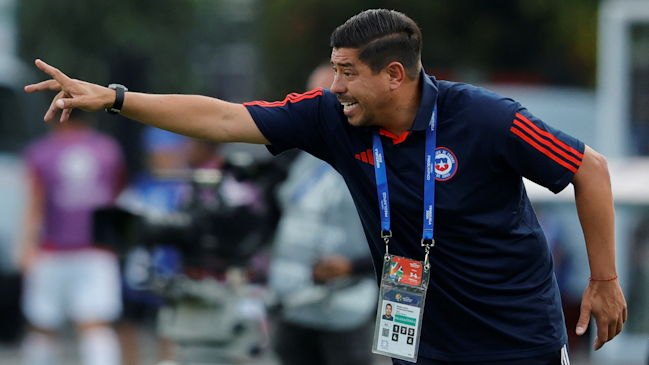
115 86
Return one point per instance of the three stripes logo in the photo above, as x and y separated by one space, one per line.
565 359
366 156
546 143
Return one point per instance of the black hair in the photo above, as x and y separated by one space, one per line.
382 36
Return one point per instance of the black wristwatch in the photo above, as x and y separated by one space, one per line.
119 98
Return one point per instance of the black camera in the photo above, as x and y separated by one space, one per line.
225 220
211 223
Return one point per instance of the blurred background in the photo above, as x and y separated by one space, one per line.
580 65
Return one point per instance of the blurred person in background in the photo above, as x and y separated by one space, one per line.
321 269
493 296
72 171
149 194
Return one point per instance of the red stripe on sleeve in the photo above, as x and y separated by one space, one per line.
543 150
552 137
293 98
547 143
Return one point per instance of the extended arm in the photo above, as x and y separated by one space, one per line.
603 299
192 115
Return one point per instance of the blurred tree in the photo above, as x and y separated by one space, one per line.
541 41
141 43
148 45
172 45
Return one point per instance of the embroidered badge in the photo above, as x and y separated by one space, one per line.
445 164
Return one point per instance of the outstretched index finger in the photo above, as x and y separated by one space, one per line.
56 74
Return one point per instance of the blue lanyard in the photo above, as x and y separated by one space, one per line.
429 185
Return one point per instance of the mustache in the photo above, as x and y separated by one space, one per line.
344 99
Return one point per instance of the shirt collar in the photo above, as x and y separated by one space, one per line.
428 99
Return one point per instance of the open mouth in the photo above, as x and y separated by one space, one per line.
349 106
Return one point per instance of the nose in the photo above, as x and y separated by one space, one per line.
338 85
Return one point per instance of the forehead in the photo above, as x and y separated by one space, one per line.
345 57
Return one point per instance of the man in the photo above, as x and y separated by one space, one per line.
73 171
321 269
388 313
492 295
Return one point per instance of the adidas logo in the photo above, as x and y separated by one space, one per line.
366 156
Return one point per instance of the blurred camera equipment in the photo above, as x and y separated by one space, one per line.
211 311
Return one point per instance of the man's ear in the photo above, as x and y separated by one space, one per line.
397 74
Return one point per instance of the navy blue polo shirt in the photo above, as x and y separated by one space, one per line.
492 294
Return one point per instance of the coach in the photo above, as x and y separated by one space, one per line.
493 297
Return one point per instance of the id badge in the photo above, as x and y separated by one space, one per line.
404 283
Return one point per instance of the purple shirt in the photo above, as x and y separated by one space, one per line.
79 171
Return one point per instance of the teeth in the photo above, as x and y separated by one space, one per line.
348 105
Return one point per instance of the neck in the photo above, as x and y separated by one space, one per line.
401 117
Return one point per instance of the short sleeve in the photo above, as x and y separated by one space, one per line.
541 153
295 122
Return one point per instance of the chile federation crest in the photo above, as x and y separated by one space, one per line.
445 164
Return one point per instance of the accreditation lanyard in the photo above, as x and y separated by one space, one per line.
427 240
404 282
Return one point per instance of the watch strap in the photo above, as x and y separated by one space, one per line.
119 98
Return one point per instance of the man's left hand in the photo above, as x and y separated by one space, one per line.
605 301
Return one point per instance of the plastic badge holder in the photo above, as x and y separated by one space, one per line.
404 283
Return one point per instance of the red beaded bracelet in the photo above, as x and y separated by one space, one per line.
611 279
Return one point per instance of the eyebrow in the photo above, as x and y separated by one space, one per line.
343 64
